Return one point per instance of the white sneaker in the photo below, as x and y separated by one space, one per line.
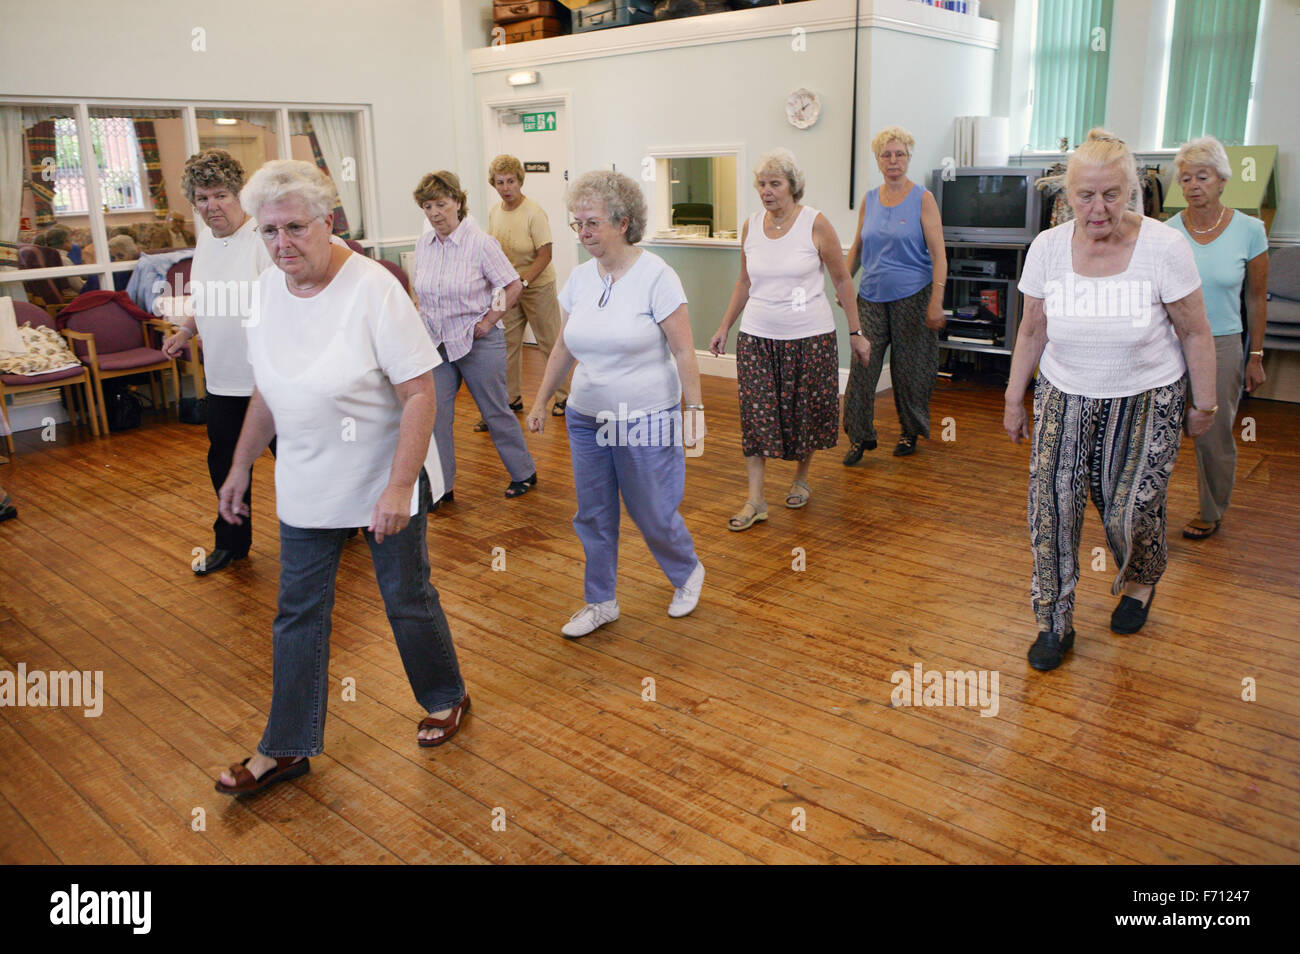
688 594
590 618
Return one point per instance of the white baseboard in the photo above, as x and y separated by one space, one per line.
725 367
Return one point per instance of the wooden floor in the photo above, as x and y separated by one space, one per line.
772 702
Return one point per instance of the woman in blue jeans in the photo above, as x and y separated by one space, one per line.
342 368
627 328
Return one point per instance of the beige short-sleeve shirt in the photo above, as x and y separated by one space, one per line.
521 233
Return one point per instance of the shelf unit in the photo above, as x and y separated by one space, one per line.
965 289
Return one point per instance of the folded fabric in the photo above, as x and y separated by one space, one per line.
87 300
150 271
44 350
10 341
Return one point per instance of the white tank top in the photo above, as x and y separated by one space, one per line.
787 282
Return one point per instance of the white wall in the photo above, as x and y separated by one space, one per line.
386 56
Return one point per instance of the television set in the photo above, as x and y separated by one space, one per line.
989 204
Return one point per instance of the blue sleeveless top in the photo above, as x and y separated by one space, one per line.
895 259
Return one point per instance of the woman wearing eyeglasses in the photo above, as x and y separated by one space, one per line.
628 331
465 285
342 368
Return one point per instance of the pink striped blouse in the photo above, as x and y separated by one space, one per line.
454 281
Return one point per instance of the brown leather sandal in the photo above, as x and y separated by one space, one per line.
245 784
1199 529
450 725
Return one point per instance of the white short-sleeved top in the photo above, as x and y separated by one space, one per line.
326 367
222 286
625 366
1111 337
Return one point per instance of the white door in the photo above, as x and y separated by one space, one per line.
538 135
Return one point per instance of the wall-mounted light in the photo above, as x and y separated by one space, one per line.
522 78
226 121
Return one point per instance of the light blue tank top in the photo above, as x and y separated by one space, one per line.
895 259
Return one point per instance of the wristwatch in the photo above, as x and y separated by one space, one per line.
860 333
525 283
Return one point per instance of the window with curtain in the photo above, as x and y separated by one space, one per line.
1211 57
1071 63
330 140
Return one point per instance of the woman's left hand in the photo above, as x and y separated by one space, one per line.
1255 375
392 512
934 316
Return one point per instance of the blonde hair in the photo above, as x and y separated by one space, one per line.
883 138
1103 148
505 165
783 163
1206 151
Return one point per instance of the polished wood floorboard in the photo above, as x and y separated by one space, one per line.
771 736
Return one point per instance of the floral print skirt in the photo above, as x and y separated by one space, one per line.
789 395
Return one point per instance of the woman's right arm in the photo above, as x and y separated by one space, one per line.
256 434
739 297
854 257
557 369
1031 339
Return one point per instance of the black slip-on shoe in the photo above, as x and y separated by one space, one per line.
1130 615
216 560
905 447
1049 650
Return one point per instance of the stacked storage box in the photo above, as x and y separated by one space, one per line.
603 14
530 19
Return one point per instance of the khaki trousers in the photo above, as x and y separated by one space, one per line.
538 308
1216 449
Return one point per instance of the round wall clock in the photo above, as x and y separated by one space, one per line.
802 108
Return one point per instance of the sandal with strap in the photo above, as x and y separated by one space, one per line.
1200 529
742 521
246 784
450 725
798 498
481 426
518 488
558 409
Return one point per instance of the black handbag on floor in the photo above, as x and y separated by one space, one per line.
123 406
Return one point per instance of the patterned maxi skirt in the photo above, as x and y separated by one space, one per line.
789 395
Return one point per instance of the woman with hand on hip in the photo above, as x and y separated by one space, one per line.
465 284
787 363
1229 247
341 364
900 247
1113 309
628 330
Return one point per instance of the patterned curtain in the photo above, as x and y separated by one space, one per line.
40 146
340 217
144 133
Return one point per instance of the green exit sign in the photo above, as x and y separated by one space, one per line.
539 122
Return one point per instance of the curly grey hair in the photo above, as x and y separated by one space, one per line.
209 169
783 163
283 179
619 196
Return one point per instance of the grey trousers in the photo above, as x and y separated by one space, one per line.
913 361
1216 449
483 370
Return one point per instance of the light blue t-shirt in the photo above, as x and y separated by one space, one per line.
1222 266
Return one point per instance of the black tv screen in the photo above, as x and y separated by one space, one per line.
985 202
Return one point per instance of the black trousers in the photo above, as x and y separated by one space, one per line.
225 420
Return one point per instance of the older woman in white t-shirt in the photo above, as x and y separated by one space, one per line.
627 328
342 368
787 363
1113 309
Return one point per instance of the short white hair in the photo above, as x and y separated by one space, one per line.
282 179
1206 151
783 163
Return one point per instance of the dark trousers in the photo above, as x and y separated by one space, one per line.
225 419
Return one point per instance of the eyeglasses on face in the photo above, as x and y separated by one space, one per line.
589 225
294 229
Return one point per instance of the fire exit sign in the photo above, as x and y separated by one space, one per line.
539 122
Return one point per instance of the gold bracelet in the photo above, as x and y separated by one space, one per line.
1206 410
695 407
1260 353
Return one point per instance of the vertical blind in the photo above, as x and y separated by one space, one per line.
1071 62
1210 61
